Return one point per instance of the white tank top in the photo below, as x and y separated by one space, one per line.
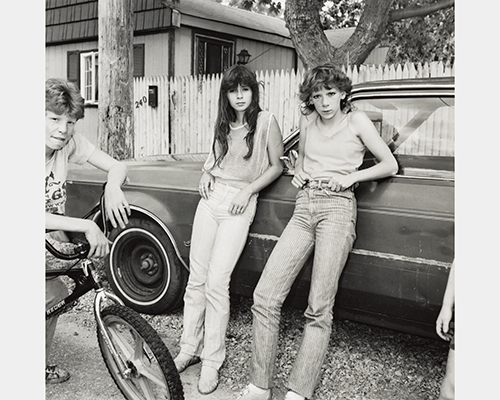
326 156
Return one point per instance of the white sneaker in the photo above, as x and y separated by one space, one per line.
293 396
249 394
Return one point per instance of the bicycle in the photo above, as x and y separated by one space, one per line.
135 356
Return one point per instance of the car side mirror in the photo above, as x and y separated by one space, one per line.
290 161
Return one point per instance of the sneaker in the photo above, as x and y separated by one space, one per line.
182 361
293 396
54 374
249 394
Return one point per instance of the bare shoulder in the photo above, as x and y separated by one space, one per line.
307 119
358 116
360 123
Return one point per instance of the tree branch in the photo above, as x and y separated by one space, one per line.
420 11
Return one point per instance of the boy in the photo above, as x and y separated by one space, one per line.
64 106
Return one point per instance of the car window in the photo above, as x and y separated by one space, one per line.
419 130
414 126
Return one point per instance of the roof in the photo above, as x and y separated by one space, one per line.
337 37
211 10
77 20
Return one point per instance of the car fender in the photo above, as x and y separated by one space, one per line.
148 206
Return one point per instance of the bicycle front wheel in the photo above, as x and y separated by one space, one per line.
145 369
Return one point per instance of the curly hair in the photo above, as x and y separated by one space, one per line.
234 76
324 76
63 97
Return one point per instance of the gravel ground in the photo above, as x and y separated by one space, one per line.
363 362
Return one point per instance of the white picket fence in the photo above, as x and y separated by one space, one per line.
183 121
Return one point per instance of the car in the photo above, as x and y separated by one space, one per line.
397 271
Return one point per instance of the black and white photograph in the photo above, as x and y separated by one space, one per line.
253 200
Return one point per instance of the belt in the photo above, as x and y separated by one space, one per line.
323 184
317 184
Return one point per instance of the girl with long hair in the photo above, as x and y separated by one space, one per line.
245 158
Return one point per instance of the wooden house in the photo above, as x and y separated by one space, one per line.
193 37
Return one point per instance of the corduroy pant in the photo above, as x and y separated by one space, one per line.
323 221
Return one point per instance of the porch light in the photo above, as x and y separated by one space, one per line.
243 57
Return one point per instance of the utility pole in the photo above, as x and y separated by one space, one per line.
116 81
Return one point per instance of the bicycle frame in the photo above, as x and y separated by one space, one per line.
85 279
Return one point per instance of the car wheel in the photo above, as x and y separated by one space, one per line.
143 268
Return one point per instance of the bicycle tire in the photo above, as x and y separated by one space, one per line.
127 329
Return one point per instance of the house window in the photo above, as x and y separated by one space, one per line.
89 77
213 55
83 70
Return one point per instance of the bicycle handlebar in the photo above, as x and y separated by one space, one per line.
82 247
81 251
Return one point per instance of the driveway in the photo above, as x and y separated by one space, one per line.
75 347
362 363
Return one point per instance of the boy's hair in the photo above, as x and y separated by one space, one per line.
326 76
234 76
63 97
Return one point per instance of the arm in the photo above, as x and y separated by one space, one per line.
117 207
446 313
300 177
99 244
387 165
275 151
207 179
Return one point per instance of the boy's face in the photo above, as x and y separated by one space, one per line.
59 129
327 101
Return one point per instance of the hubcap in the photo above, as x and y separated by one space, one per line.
149 264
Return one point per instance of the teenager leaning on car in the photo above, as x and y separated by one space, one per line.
64 106
333 141
244 159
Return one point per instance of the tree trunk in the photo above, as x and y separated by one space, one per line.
309 40
116 85
367 35
312 46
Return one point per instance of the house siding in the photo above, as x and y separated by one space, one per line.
266 56
156 53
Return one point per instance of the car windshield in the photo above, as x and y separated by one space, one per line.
414 126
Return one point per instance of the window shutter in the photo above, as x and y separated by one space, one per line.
138 59
73 63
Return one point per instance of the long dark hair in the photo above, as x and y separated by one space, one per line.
234 76
326 76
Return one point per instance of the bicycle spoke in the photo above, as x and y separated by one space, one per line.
152 373
125 347
147 390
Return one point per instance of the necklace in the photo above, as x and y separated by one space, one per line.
238 127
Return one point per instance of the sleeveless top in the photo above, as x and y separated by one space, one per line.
327 156
233 166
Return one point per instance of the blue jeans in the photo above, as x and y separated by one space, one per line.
217 241
325 220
